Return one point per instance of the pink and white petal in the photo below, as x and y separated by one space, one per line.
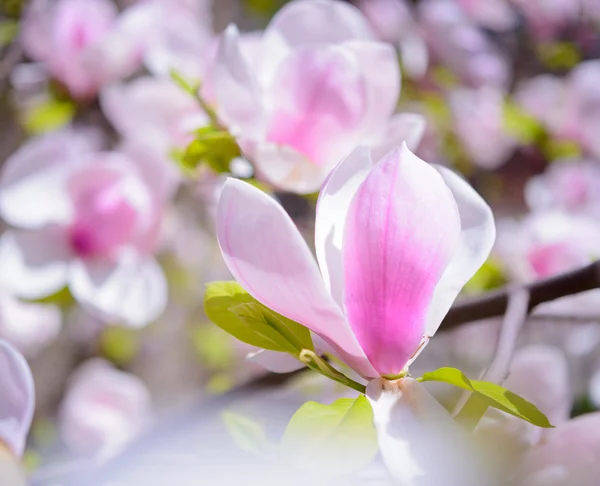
379 64
419 441
287 169
314 22
478 233
132 291
18 398
237 95
403 229
267 255
275 362
318 103
34 263
33 180
332 210
30 327
404 127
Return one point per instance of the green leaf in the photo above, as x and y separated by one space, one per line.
494 395
247 434
120 344
338 438
8 30
48 116
234 310
520 124
488 277
559 55
214 147
289 335
555 149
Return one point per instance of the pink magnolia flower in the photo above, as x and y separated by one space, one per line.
84 44
497 15
86 219
103 409
17 398
569 185
479 123
461 45
547 243
320 85
570 107
395 243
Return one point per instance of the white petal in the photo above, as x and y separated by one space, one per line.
17 398
332 208
420 442
476 240
34 263
132 291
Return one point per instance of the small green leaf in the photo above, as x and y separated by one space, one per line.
48 116
8 30
559 55
494 395
247 434
555 149
338 438
234 310
520 124
120 344
214 147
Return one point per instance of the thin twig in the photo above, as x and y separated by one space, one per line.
518 307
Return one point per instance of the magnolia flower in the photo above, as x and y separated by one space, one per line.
497 15
17 399
395 243
461 45
547 243
570 107
103 409
319 85
569 185
89 220
84 44
479 123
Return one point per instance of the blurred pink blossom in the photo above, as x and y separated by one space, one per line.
86 219
496 15
479 123
460 45
546 243
393 21
85 44
320 85
103 409
547 18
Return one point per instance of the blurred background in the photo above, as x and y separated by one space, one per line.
510 91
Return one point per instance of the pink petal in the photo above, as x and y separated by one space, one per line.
307 23
477 236
404 127
17 400
320 97
379 66
237 95
132 291
268 257
33 264
33 180
402 231
332 210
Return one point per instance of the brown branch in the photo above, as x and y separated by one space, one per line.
494 304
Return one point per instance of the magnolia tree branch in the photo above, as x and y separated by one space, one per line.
494 304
